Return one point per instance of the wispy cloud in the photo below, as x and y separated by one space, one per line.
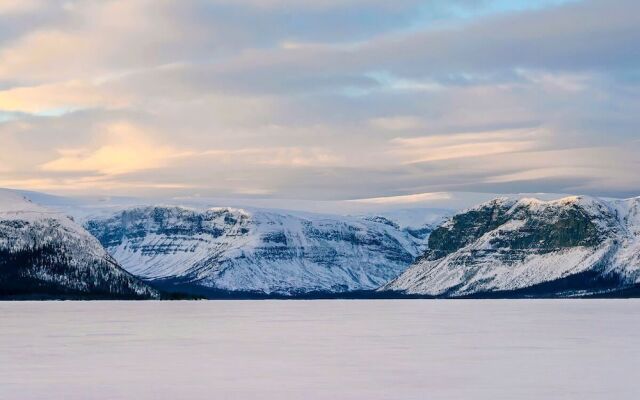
72 95
466 145
12 7
276 156
406 199
126 148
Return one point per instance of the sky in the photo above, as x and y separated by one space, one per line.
320 99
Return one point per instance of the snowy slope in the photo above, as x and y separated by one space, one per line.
573 245
44 253
258 250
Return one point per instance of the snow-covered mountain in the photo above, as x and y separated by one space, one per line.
257 250
571 246
45 254
507 246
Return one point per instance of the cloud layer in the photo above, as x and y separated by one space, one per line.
320 99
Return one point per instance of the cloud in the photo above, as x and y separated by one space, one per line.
465 145
546 173
82 186
398 123
127 148
68 96
36 56
406 199
276 156
18 6
320 99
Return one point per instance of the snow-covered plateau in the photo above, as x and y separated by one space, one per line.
258 250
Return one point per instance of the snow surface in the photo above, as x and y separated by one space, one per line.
317 350
16 206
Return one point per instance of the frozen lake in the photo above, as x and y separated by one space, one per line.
413 349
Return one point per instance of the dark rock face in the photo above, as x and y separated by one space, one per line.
466 228
382 220
544 231
561 229
169 221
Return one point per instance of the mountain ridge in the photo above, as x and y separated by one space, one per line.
575 246
258 250
509 245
